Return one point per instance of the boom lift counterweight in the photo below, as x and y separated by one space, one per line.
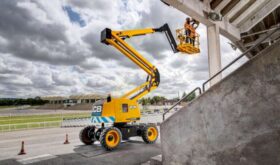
124 110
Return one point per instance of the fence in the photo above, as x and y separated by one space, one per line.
26 126
13 123
66 122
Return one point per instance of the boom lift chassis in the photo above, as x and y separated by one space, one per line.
123 112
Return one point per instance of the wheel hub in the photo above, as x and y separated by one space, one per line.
110 138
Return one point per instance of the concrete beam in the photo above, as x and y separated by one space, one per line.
236 8
259 15
249 12
274 37
197 9
214 53
215 3
229 31
242 10
221 5
242 48
229 7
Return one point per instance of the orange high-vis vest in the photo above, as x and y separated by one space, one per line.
189 27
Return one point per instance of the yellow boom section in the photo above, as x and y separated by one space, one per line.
117 39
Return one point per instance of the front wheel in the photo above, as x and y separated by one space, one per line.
87 135
150 134
110 138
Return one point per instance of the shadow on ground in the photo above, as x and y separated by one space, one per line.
132 152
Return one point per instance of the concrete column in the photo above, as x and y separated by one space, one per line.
214 52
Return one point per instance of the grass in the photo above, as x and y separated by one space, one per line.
7 106
52 120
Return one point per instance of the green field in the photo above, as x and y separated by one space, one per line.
36 121
8 106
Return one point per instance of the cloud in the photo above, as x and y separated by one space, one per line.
46 49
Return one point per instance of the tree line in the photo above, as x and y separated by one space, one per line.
157 99
20 101
152 100
190 97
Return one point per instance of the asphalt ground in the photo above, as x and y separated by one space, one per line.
45 146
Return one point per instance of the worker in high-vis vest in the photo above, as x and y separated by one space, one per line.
195 24
187 27
189 31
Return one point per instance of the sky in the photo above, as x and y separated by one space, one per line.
53 47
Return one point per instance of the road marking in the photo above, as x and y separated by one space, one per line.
36 158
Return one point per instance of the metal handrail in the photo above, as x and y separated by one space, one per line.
243 54
236 59
197 88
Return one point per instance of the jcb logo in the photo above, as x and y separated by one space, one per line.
97 108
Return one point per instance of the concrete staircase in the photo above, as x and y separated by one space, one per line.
235 122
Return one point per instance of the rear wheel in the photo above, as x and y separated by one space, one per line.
110 138
150 134
87 135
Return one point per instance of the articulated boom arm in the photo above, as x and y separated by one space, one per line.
116 39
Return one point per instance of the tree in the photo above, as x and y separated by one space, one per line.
20 101
190 97
153 100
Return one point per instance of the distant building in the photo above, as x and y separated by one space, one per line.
73 99
170 102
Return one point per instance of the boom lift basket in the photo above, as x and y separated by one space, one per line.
188 43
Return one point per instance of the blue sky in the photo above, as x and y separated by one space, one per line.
74 16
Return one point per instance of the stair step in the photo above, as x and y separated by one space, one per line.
156 160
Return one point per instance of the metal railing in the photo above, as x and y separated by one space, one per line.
240 56
183 98
26 126
227 66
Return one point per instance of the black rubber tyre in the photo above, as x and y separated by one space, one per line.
97 133
110 138
150 134
86 135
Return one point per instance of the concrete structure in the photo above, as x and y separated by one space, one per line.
240 127
242 22
86 98
73 102
54 99
214 53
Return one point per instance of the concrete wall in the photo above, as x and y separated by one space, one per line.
81 106
51 106
236 122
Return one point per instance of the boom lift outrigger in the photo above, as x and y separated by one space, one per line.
124 110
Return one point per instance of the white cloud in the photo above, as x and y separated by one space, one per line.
43 53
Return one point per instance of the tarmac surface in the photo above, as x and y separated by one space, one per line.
45 146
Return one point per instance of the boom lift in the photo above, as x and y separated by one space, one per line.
123 112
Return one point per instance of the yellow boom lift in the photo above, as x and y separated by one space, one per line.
123 112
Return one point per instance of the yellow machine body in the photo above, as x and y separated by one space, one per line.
123 109
126 109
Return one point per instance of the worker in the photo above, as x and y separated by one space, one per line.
194 25
187 27
109 98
